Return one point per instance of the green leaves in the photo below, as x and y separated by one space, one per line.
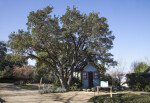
3 49
20 42
79 35
141 67
63 42
7 61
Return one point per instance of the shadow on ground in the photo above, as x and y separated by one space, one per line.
2 101
69 99
9 86
59 98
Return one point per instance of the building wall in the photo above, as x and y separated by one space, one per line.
90 68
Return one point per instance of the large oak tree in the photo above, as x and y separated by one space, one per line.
63 43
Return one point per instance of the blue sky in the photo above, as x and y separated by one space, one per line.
129 21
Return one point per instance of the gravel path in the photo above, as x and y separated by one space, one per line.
13 94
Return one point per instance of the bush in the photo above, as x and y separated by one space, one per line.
137 87
88 90
147 88
17 83
52 90
57 83
121 98
93 89
25 72
84 90
7 80
73 88
76 82
60 90
105 99
138 81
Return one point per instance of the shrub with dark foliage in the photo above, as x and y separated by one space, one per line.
139 81
121 98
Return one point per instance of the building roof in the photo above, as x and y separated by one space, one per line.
146 71
81 66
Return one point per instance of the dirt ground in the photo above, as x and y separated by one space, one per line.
13 94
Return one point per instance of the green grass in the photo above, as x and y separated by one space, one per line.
29 87
121 98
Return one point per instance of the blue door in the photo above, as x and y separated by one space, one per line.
90 79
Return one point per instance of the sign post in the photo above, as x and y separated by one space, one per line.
104 84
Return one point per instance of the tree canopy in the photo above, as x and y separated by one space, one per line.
140 67
64 42
3 51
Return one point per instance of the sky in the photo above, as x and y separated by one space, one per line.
129 21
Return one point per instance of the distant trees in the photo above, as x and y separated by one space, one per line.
117 76
25 72
8 61
139 67
3 51
118 73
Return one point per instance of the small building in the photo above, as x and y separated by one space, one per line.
89 75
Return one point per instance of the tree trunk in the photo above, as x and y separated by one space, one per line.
63 83
65 80
69 79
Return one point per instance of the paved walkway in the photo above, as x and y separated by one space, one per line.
13 94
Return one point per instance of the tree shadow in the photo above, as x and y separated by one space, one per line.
2 101
69 99
9 86
62 99
59 98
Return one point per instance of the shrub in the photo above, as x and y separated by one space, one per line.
17 83
138 81
147 88
137 87
121 98
8 80
25 72
92 89
73 88
57 82
84 90
105 99
76 82
88 90
60 90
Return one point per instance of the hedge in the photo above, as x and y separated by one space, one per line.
121 98
139 81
